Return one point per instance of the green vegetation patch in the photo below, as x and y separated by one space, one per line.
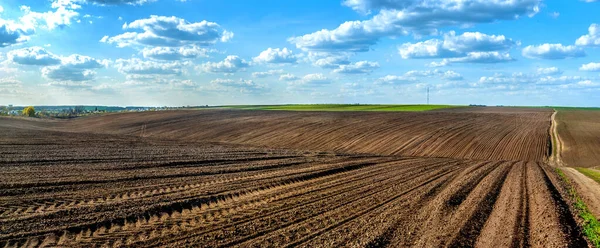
576 108
344 107
591 173
590 225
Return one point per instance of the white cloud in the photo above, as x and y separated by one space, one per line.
309 82
590 67
448 75
73 68
549 71
360 67
231 64
328 60
288 77
276 56
241 85
33 56
396 18
553 51
60 73
171 31
264 74
63 15
478 58
456 46
175 53
550 80
315 79
137 66
592 38
394 79
12 33
520 78
584 84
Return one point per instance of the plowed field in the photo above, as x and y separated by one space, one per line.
248 179
506 136
579 132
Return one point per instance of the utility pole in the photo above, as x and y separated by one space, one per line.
427 95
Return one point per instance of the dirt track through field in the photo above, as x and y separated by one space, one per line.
89 189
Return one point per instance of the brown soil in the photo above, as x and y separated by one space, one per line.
579 131
506 136
83 183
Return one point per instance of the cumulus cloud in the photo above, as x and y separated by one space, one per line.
549 71
456 46
73 68
592 38
175 53
288 77
64 14
590 67
519 78
276 56
448 75
396 18
60 73
360 67
140 67
478 58
12 33
241 85
553 51
315 79
328 60
309 82
231 64
394 79
264 74
171 31
584 84
33 56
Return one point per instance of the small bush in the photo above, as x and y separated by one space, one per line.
29 111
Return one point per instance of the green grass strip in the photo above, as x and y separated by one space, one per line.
591 173
590 225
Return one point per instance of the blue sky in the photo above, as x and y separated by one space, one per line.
197 52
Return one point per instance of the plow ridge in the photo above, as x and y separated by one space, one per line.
469 233
568 224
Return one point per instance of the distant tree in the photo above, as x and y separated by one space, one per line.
29 111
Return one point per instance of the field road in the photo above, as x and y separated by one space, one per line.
587 188
576 143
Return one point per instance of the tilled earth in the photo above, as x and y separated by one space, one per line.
579 131
73 183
